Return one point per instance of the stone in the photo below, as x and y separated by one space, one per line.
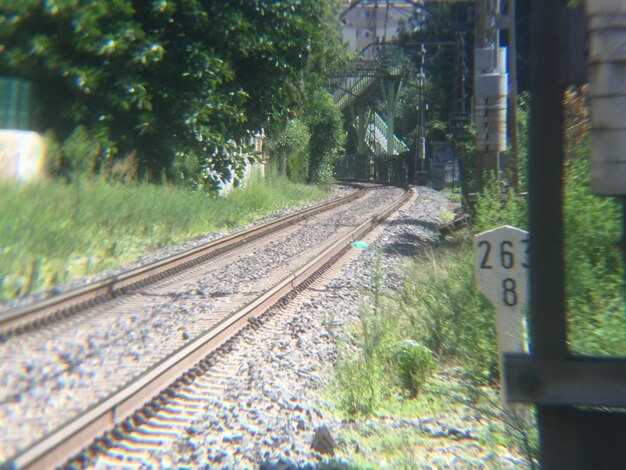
323 441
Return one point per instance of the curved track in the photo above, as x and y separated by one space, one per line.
39 314
79 401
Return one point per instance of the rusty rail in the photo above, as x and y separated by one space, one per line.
183 365
18 321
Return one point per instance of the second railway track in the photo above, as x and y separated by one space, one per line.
57 307
109 373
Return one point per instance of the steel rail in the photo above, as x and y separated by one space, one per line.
183 365
20 320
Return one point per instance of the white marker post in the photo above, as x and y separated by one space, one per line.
502 275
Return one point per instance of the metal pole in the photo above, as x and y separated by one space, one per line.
512 106
547 302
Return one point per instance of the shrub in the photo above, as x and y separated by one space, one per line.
325 124
446 313
413 364
290 150
80 151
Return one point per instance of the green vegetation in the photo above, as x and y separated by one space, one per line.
593 228
439 309
363 374
325 123
414 363
306 150
162 92
594 266
172 84
420 436
444 311
53 232
499 206
290 150
427 351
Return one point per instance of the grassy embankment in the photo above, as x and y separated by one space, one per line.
439 307
53 232
453 390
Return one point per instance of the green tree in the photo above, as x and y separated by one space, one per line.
325 123
172 80
290 150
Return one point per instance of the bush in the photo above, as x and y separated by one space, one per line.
80 151
290 151
446 313
413 364
325 123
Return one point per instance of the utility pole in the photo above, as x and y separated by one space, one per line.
420 148
460 74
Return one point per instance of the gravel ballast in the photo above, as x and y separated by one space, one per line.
263 400
50 375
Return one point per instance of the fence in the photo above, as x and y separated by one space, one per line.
362 167
15 104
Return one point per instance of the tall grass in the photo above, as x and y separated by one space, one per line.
596 307
594 266
52 232
446 313
362 375
388 370
385 363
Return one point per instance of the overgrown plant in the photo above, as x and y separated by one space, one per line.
363 373
289 150
383 358
593 261
500 205
48 241
325 123
594 266
447 314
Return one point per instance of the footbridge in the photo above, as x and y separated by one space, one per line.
367 92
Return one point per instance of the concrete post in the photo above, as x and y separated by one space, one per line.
607 77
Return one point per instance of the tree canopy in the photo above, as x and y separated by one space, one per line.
168 79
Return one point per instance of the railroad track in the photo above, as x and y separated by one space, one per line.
119 410
62 306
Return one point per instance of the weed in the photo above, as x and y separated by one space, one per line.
446 313
413 364
385 357
44 231
363 375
